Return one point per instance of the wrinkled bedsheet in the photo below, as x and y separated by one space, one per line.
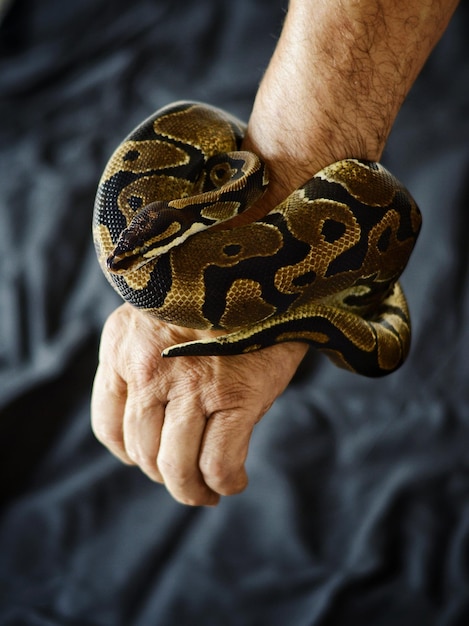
357 511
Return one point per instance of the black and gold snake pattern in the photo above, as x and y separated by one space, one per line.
322 267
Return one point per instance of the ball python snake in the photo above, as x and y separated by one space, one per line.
322 267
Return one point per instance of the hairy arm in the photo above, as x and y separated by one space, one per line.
336 81
333 88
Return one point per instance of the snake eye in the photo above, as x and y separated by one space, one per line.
220 174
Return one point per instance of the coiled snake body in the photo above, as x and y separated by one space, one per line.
322 267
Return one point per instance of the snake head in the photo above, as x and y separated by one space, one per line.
154 231
151 233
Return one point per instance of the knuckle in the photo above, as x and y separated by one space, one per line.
135 453
175 472
221 477
228 395
147 466
107 434
144 459
190 500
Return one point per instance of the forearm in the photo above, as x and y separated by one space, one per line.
337 80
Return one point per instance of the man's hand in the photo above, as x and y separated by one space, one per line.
185 421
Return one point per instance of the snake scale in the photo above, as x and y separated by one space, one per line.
322 267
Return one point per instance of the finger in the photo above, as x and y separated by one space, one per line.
143 421
224 451
178 457
108 401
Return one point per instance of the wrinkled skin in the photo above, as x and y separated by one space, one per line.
186 422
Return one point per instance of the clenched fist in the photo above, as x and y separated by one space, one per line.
185 421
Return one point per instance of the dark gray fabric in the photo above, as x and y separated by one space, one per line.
357 510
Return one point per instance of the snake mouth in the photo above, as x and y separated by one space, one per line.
124 262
